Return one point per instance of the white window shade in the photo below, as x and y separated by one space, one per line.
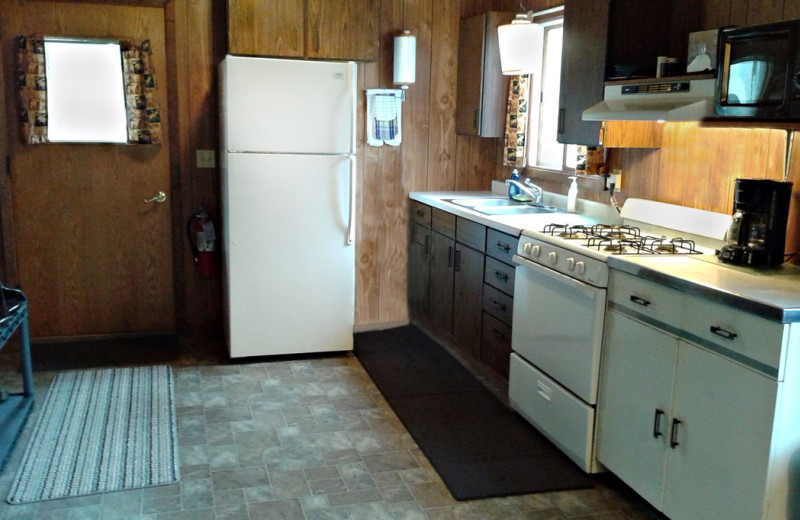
85 92
520 44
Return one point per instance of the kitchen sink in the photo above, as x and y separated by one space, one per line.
502 206
515 210
471 203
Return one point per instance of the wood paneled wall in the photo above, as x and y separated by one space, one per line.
432 156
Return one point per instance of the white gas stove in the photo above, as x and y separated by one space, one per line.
560 303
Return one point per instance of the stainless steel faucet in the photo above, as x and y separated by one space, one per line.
529 188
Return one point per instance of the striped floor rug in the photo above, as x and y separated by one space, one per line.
100 431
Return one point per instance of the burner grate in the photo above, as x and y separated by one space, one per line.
621 240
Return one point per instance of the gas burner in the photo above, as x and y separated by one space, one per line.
615 232
615 249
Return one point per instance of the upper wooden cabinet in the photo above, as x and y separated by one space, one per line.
583 63
312 29
482 88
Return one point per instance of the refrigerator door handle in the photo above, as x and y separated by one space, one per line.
354 102
351 223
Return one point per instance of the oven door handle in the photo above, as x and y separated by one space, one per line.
585 289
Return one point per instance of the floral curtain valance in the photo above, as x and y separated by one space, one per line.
141 97
32 88
516 122
139 79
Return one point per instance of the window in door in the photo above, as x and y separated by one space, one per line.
85 93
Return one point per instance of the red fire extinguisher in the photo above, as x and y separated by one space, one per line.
202 238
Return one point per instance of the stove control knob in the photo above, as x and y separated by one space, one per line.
570 263
536 250
580 267
552 256
526 248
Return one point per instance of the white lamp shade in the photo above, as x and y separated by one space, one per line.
405 59
520 45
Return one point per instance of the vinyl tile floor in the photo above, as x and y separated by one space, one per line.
297 439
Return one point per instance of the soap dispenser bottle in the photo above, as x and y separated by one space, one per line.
513 189
572 195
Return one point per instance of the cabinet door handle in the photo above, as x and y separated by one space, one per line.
450 256
499 305
501 276
498 334
657 423
719 331
673 437
458 260
505 247
427 243
561 115
475 115
638 300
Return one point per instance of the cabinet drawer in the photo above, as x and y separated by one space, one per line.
421 213
498 304
645 298
443 222
420 235
500 245
471 234
495 344
499 275
749 339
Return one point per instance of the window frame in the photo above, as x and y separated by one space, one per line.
549 19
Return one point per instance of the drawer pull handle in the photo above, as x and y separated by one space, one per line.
657 423
501 276
499 334
420 213
673 438
638 300
719 331
499 305
505 247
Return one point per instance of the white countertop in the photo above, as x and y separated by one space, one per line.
771 293
513 224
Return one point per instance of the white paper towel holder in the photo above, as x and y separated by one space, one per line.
405 58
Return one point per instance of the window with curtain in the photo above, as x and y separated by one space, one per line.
87 90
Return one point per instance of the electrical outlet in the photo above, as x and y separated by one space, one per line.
206 159
618 177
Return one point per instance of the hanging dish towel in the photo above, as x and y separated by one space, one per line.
384 116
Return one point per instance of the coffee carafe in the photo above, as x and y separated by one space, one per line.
757 234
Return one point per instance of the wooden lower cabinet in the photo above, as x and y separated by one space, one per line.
440 283
419 250
467 294
466 270
496 344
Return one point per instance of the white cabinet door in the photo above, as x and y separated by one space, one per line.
718 470
634 403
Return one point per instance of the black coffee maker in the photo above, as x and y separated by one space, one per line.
757 234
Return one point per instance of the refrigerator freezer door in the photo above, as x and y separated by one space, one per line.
288 106
291 276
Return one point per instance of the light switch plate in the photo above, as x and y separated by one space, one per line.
206 159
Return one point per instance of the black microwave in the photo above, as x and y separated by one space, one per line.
759 71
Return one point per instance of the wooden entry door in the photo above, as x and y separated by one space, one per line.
92 257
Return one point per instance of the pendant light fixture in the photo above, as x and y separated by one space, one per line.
519 44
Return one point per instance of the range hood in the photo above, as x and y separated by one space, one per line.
657 100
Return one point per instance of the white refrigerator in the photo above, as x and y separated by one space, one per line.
288 168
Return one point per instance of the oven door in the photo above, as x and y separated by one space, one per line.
558 327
